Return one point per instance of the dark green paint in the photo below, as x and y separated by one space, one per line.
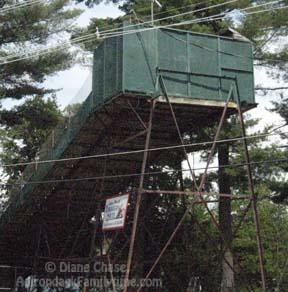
129 64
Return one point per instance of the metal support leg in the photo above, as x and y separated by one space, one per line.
210 156
253 196
199 188
203 179
138 200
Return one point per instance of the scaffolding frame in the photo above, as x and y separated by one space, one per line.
252 199
198 194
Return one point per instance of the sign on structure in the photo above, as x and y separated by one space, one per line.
115 212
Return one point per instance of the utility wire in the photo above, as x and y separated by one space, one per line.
174 16
107 26
235 165
92 37
220 16
86 38
181 7
45 51
220 51
105 33
108 32
20 5
206 143
173 9
191 12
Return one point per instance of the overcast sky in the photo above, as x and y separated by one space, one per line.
71 81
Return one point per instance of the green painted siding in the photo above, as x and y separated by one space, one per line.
140 61
107 70
192 64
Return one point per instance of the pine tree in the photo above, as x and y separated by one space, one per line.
25 30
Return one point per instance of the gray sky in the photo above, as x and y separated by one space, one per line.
71 81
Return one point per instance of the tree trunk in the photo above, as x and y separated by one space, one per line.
225 220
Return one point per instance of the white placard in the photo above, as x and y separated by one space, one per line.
115 212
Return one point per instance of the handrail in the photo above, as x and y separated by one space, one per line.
195 73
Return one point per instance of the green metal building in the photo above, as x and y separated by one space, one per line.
197 66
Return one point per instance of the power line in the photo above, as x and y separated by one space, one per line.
182 7
173 9
41 52
175 15
92 36
107 26
105 33
235 165
222 15
220 51
20 5
141 151
199 19
194 11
